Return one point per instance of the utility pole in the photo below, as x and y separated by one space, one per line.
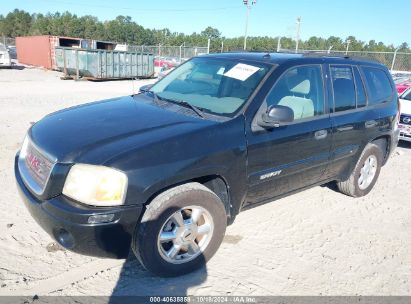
181 48
297 37
278 44
248 4
348 46
222 45
393 60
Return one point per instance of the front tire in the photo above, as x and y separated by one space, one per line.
365 174
180 231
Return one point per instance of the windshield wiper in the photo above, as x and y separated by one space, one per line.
183 103
190 106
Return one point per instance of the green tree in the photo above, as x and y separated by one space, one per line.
211 33
124 30
16 23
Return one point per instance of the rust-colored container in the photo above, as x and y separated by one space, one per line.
40 50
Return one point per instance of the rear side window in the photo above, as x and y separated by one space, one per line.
378 85
343 88
361 97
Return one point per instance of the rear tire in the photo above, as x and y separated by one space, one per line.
180 231
365 174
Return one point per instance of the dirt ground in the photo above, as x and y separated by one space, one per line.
317 242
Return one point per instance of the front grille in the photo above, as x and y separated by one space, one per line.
35 167
405 119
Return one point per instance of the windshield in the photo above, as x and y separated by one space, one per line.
217 86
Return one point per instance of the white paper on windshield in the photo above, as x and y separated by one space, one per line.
241 71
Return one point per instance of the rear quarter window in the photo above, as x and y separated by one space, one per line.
378 85
361 97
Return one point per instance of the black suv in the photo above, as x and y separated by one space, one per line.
166 170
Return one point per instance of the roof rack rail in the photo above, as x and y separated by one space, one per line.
325 54
338 55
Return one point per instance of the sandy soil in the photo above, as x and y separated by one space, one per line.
317 242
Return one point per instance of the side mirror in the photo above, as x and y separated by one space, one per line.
145 88
276 116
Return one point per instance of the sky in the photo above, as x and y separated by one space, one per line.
380 20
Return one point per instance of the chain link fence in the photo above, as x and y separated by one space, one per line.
395 61
182 52
10 44
8 41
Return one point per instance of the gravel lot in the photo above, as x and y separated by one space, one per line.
317 242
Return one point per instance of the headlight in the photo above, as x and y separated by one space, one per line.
96 185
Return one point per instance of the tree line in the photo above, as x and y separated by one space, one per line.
124 30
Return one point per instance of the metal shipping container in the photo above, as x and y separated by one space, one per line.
104 64
39 50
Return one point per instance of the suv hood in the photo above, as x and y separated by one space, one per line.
95 132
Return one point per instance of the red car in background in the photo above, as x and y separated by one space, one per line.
402 84
166 62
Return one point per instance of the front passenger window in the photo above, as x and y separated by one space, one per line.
301 89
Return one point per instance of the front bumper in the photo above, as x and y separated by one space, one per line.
405 137
67 222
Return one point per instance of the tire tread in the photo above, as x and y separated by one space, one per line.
348 187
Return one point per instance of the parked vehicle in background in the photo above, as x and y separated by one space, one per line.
166 62
163 73
405 119
5 60
12 52
166 170
402 84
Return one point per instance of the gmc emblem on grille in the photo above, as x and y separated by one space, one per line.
34 162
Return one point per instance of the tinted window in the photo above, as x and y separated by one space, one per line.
301 89
361 97
343 87
378 85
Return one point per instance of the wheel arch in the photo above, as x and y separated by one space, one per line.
384 143
216 183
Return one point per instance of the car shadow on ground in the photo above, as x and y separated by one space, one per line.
13 67
134 281
18 67
404 144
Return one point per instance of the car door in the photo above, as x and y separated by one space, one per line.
352 120
290 157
